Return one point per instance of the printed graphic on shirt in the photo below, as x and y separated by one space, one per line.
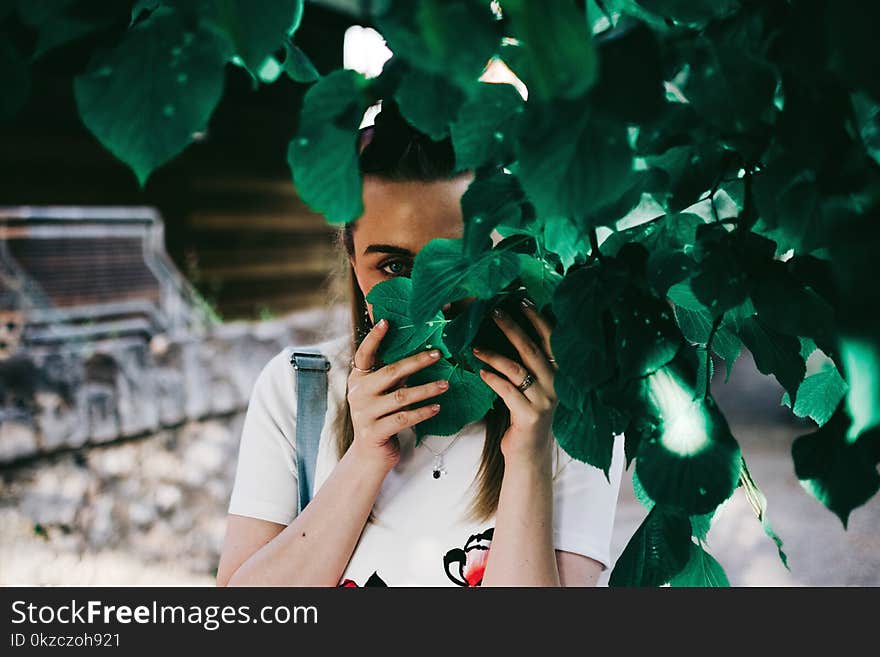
465 566
373 580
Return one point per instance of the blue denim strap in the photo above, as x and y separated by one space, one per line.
311 406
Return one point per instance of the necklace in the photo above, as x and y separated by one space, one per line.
439 469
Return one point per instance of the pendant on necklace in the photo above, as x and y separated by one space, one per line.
439 469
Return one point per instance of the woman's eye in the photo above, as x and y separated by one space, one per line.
395 267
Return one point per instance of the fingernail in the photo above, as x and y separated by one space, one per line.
498 312
443 384
525 302
435 407
476 350
434 353
381 323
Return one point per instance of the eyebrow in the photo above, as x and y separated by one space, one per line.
388 248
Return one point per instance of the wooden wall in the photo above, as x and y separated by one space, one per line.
233 222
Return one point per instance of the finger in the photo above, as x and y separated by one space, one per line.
514 371
365 355
391 375
391 424
515 400
532 356
401 397
541 324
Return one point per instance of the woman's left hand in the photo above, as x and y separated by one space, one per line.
531 410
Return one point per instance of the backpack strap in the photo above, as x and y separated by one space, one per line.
311 406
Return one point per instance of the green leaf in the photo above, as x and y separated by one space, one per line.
758 502
850 42
441 274
255 29
429 102
728 85
563 237
467 399
428 35
63 22
485 129
539 278
146 120
701 570
390 300
789 203
586 434
640 494
819 395
646 338
700 524
692 462
687 11
460 332
840 473
488 201
774 353
788 306
695 322
579 342
860 357
298 66
630 85
867 114
554 55
323 155
570 162
690 170
728 262
658 550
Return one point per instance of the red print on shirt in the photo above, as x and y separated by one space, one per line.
374 580
465 566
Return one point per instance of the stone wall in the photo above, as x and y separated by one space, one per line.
118 463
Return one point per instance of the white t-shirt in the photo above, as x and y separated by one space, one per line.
419 536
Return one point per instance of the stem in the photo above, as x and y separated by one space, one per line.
749 487
715 324
595 253
746 217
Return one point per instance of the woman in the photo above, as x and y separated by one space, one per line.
498 504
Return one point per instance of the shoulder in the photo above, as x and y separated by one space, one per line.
278 373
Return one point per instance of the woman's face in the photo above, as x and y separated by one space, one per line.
399 219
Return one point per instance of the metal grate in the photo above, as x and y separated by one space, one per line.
79 274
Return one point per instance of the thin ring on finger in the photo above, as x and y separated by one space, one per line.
526 382
351 362
514 372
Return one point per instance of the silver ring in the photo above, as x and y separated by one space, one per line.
551 360
526 382
351 362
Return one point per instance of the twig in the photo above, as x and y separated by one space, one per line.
715 324
595 253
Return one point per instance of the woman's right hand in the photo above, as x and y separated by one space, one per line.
377 399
